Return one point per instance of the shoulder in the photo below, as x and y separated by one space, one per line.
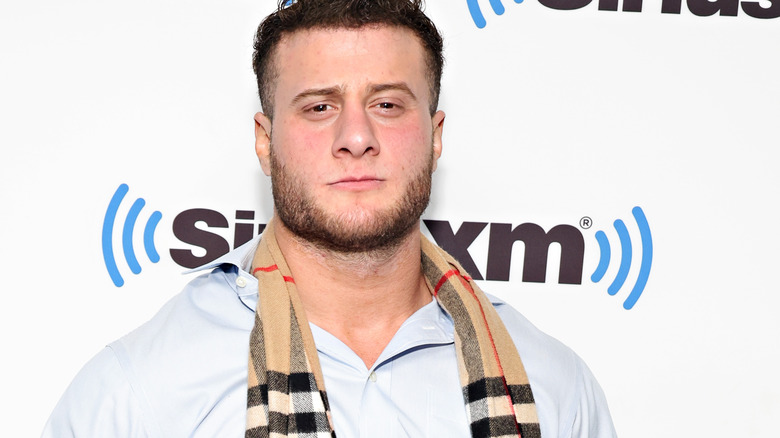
187 358
100 401
549 363
169 374
569 400
207 307
535 345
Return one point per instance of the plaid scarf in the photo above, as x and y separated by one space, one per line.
287 398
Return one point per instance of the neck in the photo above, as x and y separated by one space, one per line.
362 298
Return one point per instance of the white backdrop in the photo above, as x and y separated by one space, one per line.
552 116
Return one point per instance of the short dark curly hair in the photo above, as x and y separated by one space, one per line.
293 16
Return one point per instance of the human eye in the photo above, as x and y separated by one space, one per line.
318 111
388 108
320 108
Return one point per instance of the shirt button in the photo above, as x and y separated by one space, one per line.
241 282
372 376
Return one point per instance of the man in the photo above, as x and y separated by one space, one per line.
355 324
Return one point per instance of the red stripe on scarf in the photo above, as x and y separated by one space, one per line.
443 280
266 269
493 345
271 269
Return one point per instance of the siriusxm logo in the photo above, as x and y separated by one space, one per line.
204 228
626 252
703 8
476 13
536 242
127 235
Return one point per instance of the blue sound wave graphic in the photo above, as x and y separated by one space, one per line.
127 235
476 13
626 255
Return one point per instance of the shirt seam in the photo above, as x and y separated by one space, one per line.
150 424
572 408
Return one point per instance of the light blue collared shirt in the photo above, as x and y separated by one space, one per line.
184 373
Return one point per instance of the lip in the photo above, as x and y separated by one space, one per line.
357 183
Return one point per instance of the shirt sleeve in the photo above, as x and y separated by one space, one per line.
592 418
100 402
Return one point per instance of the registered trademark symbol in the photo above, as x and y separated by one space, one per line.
586 222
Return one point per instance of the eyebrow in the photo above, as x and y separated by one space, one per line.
398 86
328 91
339 90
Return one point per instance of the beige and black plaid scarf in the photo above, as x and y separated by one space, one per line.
287 397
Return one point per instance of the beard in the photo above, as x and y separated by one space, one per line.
358 230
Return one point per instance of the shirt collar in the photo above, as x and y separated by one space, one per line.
235 266
428 326
431 318
240 257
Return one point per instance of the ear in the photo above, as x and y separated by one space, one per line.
438 128
263 142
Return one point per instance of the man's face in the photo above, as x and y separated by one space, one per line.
352 144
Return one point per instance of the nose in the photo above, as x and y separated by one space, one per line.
355 133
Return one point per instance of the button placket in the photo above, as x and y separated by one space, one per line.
376 398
